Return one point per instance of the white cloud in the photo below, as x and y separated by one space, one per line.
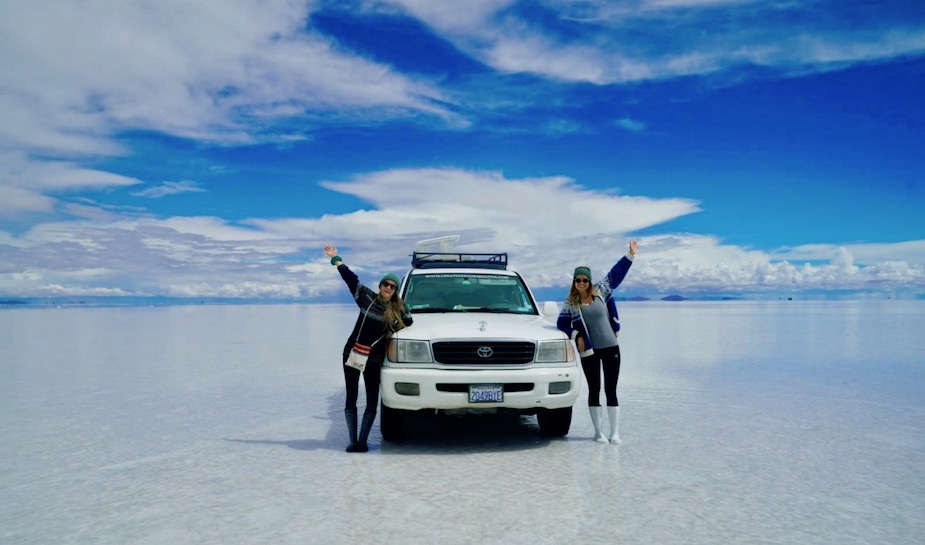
29 186
75 73
538 54
454 15
17 200
521 212
30 120
549 225
169 188
563 127
843 258
615 42
78 74
631 124
17 170
865 254
693 264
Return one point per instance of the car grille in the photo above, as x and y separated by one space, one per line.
482 353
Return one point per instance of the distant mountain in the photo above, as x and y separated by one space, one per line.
674 298
12 302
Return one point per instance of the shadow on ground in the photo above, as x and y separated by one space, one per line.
425 433
335 435
468 433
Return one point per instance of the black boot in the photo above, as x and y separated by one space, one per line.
367 425
351 416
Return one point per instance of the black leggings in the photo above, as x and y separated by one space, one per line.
370 379
609 359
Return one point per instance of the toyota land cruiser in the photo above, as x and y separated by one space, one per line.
479 343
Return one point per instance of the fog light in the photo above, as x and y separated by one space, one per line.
559 387
408 388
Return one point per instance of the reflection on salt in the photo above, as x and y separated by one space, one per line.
777 422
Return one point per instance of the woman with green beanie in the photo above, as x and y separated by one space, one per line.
381 314
589 317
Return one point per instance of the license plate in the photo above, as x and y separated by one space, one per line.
486 393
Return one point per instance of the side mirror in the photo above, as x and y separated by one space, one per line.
550 308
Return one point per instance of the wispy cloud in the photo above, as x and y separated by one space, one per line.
239 73
630 124
169 188
615 42
211 71
77 75
33 186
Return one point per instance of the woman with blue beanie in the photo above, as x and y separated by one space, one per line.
589 317
381 314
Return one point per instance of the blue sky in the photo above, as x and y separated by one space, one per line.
210 148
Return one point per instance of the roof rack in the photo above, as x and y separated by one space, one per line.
433 260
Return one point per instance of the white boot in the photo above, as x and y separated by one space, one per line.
613 413
596 420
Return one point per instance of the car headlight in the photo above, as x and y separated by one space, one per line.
554 351
407 351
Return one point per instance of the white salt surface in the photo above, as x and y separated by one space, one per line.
742 423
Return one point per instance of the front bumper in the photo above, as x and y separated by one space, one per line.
445 389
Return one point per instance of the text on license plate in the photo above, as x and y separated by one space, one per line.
486 393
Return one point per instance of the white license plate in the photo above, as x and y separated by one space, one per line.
486 393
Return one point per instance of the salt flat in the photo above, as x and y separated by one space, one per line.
742 422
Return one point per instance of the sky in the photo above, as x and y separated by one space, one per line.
755 149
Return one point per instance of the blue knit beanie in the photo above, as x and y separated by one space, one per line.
390 276
582 270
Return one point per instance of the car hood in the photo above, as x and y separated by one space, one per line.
479 325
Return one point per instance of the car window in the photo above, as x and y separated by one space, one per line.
461 292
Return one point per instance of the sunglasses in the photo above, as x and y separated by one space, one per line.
390 285
582 280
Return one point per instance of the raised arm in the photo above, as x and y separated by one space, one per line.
349 277
619 270
331 251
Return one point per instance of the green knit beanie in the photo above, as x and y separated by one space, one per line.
582 270
390 276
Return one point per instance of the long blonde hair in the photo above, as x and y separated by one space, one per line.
393 316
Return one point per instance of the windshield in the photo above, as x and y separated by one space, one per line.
460 292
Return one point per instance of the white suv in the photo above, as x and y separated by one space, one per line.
478 344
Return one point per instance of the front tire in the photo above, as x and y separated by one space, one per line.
391 423
554 422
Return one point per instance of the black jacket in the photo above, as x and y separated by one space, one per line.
370 331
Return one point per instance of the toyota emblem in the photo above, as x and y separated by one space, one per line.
484 351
